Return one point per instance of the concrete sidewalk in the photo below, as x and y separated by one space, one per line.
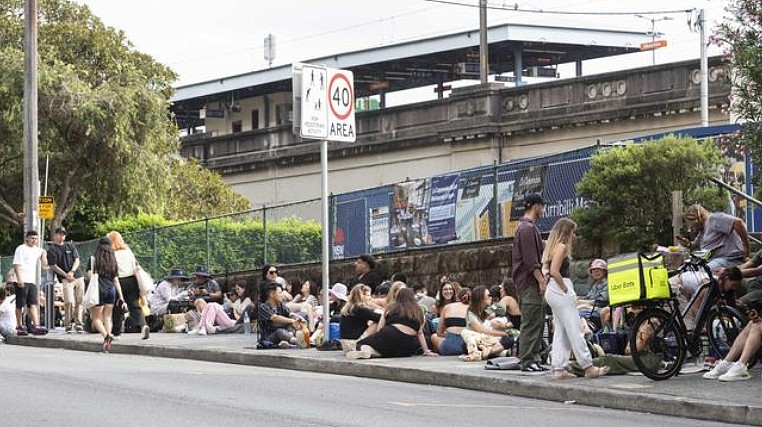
687 395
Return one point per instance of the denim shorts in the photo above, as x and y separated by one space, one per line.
452 345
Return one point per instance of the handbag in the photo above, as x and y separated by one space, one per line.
145 281
92 294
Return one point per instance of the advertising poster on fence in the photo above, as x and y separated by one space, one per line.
444 196
379 228
528 181
560 192
472 215
506 183
408 216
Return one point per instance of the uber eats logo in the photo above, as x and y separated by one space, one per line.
623 286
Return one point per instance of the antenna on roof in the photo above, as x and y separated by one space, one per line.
269 50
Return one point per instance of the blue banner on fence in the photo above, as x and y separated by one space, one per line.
559 194
444 196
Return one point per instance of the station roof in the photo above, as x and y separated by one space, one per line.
428 61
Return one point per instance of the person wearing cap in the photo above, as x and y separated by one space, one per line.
338 298
277 326
526 271
367 274
63 259
167 290
598 296
204 288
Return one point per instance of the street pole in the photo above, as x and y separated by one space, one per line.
704 71
31 167
483 45
326 236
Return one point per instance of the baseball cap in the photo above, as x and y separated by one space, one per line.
60 230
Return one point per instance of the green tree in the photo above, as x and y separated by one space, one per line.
739 36
198 193
630 189
104 122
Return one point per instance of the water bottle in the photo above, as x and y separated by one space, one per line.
246 323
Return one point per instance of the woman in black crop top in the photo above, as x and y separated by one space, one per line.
568 335
400 331
447 341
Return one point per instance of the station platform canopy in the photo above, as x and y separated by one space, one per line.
423 62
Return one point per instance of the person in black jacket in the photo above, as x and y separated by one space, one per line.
367 274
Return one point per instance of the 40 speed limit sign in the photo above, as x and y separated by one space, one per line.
324 103
341 103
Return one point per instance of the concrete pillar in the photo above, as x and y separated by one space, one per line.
578 67
382 96
267 111
518 66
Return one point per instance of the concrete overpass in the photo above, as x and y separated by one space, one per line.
475 126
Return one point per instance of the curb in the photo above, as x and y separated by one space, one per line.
584 395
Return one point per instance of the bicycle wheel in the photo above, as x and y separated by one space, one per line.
658 344
724 325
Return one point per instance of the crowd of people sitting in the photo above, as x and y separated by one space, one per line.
371 316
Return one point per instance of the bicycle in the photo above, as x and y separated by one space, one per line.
659 338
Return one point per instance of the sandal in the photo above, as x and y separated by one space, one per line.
598 372
107 343
562 375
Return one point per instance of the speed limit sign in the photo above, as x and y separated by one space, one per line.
341 103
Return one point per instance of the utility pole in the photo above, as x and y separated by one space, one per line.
483 46
704 69
31 167
653 32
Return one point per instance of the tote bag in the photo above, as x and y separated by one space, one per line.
145 281
92 294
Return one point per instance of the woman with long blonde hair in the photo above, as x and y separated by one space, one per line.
127 264
568 335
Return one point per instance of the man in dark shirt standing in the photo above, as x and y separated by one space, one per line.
63 259
526 269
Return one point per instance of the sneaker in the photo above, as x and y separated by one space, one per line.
146 332
197 331
70 329
301 341
358 354
284 344
79 329
737 372
21 331
720 368
39 330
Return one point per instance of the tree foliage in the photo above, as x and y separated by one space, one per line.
739 36
630 189
104 122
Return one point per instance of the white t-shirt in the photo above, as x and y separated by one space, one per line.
27 256
8 314
125 260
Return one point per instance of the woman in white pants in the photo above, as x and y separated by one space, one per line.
568 335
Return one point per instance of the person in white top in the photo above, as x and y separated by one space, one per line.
127 263
7 315
27 293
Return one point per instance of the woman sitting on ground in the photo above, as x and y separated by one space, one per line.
480 337
510 300
400 331
447 341
305 301
358 318
447 294
214 318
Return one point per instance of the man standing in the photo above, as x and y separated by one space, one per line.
27 294
64 261
530 283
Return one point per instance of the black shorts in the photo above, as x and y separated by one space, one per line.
27 295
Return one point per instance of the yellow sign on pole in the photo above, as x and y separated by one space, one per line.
47 207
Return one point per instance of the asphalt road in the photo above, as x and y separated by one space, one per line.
50 387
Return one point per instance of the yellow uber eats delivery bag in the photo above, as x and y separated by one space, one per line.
637 276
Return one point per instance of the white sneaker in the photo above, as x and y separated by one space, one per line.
358 354
719 369
197 331
145 332
737 372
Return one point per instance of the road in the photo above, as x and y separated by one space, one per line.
51 387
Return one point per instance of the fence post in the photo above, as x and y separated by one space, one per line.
495 219
208 243
266 237
155 253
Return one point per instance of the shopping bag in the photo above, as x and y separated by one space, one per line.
145 281
92 293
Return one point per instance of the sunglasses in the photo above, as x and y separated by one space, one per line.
272 272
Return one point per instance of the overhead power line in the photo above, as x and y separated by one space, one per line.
516 8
